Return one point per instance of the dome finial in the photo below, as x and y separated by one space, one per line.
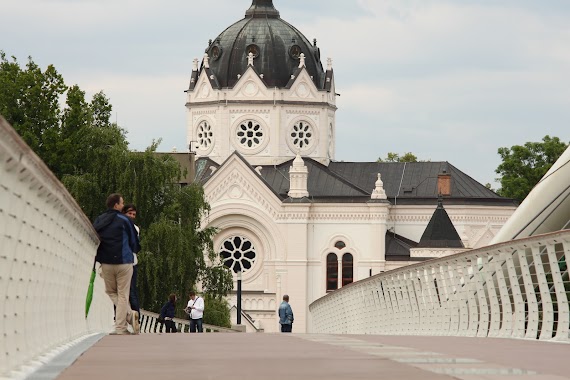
262 8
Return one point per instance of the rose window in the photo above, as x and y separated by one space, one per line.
250 134
302 135
238 253
205 135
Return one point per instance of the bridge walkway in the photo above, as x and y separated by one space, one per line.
307 356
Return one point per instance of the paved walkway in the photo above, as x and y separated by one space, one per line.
306 356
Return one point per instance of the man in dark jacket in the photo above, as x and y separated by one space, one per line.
119 240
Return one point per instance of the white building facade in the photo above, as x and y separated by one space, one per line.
292 220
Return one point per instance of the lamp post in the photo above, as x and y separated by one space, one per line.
239 297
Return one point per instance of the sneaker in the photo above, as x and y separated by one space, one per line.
120 333
136 323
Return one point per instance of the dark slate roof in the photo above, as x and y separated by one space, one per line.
397 245
418 182
440 232
353 182
273 39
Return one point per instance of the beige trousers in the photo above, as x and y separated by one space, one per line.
117 279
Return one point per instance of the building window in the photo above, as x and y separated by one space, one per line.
205 135
238 253
347 269
250 134
332 272
302 135
339 244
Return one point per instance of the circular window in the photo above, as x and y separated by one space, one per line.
216 52
254 49
205 135
295 51
302 135
238 253
250 134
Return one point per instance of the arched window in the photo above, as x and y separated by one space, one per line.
332 272
347 262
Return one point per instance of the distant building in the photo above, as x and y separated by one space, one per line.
261 119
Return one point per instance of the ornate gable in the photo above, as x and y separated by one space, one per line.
250 86
303 87
204 91
235 181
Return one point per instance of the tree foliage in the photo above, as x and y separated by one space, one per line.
172 258
523 166
395 157
90 155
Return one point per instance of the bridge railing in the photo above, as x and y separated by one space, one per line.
47 247
516 289
150 325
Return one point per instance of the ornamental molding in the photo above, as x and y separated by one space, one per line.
302 112
434 253
333 216
204 112
455 219
249 111
235 183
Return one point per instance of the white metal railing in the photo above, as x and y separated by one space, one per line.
150 324
516 289
47 247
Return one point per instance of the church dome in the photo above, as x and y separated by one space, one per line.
276 46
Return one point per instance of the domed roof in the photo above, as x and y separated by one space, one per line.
276 46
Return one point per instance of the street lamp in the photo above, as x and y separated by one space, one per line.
239 297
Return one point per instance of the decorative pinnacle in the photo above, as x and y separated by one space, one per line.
302 60
250 59
206 61
329 64
195 64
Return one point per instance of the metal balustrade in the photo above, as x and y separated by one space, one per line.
150 325
515 289
47 247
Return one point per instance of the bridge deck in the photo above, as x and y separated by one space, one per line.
300 356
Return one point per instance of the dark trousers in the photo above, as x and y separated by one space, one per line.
170 326
134 295
196 324
286 328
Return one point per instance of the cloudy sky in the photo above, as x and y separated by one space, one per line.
448 80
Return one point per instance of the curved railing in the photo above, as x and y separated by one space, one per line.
150 325
47 247
516 289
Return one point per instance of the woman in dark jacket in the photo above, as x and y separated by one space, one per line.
167 313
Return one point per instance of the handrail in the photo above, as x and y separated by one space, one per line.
47 247
511 289
150 324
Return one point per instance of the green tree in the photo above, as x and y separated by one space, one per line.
174 252
90 154
217 311
395 157
29 101
523 166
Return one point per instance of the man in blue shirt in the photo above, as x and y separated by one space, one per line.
119 242
286 315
